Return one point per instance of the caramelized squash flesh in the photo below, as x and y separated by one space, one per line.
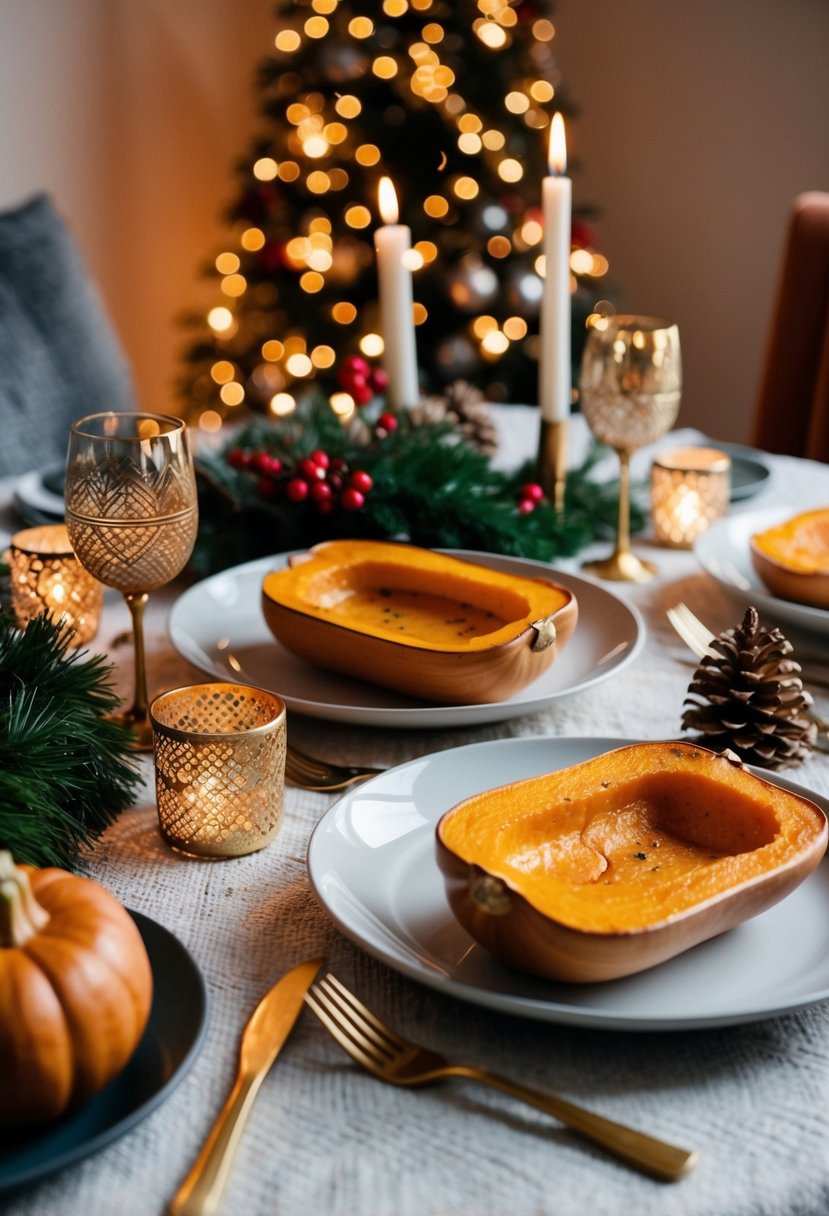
618 863
424 608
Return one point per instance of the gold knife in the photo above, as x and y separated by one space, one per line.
269 1026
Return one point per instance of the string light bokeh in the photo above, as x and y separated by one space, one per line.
450 100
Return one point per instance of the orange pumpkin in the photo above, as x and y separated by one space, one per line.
75 991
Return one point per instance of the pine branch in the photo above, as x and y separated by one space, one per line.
66 770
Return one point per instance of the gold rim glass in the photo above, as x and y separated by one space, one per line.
132 516
630 387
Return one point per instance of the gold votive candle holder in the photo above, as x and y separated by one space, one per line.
690 489
219 753
46 576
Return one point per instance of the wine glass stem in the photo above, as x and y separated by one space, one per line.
623 526
139 713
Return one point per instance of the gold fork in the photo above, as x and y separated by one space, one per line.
309 773
400 1062
698 638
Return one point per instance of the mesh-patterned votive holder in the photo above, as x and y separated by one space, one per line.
690 489
46 576
219 768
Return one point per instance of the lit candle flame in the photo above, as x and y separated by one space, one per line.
388 201
557 157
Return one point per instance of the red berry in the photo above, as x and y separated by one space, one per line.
297 489
533 491
360 390
267 465
321 459
266 487
353 365
387 422
525 506
321 491
361 481
310 469
338 465
335 481
325 506
238 458
351 499
379 380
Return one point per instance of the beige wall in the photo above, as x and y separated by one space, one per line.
700 120
132 113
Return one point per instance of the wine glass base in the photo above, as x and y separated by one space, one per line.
622 567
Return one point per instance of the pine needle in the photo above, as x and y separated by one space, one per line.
66 771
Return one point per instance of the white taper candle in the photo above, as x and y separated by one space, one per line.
392 243
554 371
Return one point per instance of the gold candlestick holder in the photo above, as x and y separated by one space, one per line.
552 461
46 576
219 754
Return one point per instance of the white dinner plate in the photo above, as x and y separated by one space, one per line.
724 551
218 626
372 863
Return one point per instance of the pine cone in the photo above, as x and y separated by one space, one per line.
749 697
358 431
465 407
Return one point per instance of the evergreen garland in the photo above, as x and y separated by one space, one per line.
66 770
430 487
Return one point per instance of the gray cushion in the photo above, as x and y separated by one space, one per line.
59 356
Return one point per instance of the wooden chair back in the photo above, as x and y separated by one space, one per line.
792 410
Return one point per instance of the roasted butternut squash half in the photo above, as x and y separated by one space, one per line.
437 627
792 559
621 862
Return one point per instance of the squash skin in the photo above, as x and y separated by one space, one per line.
487 669
75 999
559 943
792 559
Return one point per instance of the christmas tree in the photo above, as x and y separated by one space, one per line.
452 99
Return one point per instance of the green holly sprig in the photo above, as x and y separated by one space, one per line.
283 485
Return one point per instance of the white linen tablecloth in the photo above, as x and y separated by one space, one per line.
325 1138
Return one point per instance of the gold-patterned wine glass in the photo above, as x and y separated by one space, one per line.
631 382
132 516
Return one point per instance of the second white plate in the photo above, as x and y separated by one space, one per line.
218 626
372 863
724 552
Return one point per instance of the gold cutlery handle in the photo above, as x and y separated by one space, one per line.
654 1156
202 1189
